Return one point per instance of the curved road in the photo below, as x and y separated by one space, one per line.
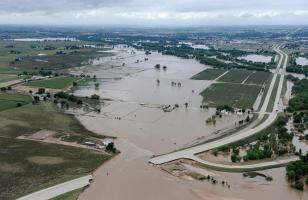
57 190
190 152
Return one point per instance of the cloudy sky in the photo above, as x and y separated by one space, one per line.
154 12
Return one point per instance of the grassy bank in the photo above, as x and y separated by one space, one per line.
54 83
271 102
73 195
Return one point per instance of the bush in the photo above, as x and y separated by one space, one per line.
95 96
215 152
110 147
41 91
298 185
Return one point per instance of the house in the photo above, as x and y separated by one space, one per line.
107 141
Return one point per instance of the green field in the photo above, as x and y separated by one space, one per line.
35 54
31 118
209 74
235 76
8 77
271 102
54 83
8 101
27 166
258 78
235 95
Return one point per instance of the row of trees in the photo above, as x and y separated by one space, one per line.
298 105
298 170
210 56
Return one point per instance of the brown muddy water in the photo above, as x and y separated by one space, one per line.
134 116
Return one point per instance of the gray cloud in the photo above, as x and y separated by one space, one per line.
141 11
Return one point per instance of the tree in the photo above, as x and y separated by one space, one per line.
298 185
95 96
157 66
41 91
110 147
36 98
234 158
291 175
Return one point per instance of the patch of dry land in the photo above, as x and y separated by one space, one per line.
31 164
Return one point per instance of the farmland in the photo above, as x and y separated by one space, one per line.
39 165
258 77
235 76
31 55
8 101
235 95
209 74
27 166
5 78
54 83
31 118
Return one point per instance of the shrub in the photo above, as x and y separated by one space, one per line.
298 185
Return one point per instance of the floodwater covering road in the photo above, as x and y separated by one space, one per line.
190 152
133 115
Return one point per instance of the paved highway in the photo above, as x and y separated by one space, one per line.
262 165
190 152
57 190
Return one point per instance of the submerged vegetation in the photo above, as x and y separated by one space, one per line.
297 172
298 104
272 142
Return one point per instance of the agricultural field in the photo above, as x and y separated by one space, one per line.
8 101
32 118
9 71
235 76
54 83
8 77
28 166
47 55
258 77
235 95
209 74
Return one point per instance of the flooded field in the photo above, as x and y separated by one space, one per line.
257 58
302 61
133 113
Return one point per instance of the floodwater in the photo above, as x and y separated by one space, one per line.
302 61
257 58
133 114
196 46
